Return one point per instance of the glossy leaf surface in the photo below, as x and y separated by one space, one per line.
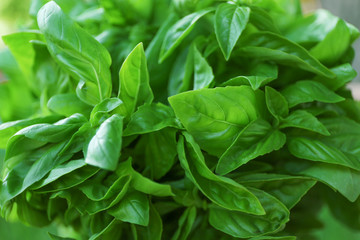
230 21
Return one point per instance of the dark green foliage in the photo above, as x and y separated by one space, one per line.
180 119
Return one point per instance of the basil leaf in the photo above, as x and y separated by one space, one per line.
159 150
69 181
342 179
141 183
203 73
22 49
134 208
29 214
288 189
181 74
103 110
151 118
344 74
270 46
341 147
8 129
109 232
104 148
178 32
220 190
259 75
77 52
276 103
316 150
68 104
262 20
104 200
256 139
134 88
215 116
308 91
58 172
315 27
185 224
230 21
338 39
243 225
154 229
38 135
97 190
304 120
30 170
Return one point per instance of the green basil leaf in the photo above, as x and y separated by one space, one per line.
38 135
178 32
259 75
32 168
58 172
29 214
215 116
68 104
159 72
262 20
317 150
69 181
349 108
270 46
22 49
185 224
230 21
104 148
134 87
141 183
103 110
288 189
79 139
309 91
181 74
256 139
134 208
159 150
77 52
154 230
344 74
244 225
111 231
315 27
338 40
98 190
304 120
151 118
44 165
8 129
341 179
100 201
220 190
203 73
341 147
276 103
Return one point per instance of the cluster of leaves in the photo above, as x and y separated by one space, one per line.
225 124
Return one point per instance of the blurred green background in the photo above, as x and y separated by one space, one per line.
14 16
